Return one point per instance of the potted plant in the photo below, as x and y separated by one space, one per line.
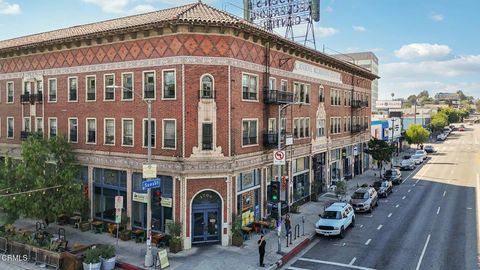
237 236
107 257
175 229
92 259
125 235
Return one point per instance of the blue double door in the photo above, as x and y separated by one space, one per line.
206 225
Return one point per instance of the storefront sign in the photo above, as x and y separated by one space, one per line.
304 69
279 157
289 140
166 202
140 197
149 170
118 202
388 104
163 259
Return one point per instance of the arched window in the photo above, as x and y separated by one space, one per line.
206 90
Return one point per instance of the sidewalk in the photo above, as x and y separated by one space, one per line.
215 256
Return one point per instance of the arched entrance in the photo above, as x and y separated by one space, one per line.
206 218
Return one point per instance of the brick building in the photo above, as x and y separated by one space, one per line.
215 82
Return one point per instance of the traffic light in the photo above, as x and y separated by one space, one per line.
275 191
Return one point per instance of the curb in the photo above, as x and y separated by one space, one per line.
127 266
287 257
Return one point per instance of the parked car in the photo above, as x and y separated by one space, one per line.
383 188
418 159
407 164
393 175
422 153
441 137
364 199
447 130
429 149
461 129
462 126
452 127
335 220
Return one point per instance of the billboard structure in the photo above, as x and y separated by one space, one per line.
274 14
388 104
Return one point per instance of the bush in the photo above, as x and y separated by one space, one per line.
92 255
236 225
341 188
175 229
107 251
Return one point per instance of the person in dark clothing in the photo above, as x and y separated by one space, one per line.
288 224
261 249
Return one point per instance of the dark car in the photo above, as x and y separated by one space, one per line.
429 149
383 188
393 175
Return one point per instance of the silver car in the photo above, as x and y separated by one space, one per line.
364 199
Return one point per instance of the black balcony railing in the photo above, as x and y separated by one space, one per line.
277 97
25 98
37 97
270 139
359 104
24 135
366 127
357 128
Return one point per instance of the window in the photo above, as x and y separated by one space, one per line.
149 85
301 93
249 132
10 92
39 86
272 125
145 132
109 131
345 96
321 94
10 124
349 124
335 125
283 125
52 90
320 127
349 99
272 84
207 136
169 84
52 127
26 124
367 100
109 84
301 127
169 133
73 130
127 132
249 87
39 125
206 90
127 86
345 124
295 128
91 88
284 86
27 88
91 130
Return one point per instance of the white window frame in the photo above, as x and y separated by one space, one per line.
87 85
133 87
36 124
306 92
282 83
29 124
256 89
68 90
37 83
248 120
133 131
49 126
105 87
272 125
13 92
321 93
163 83
69 129
105 131
25 88
154 86
320 127
86 130
201 85
13 127
272 83
154 132
163 133
56 91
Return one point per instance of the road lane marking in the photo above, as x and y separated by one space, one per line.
353 261
417 181
361 225
445 192
368 242
396 206
438 210
423 253
340 245
403 198
389 215
334 263
409 190
297 268
379 227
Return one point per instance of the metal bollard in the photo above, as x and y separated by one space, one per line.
287 240
290 233
297 231
303 225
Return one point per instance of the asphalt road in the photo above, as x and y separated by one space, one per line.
429 222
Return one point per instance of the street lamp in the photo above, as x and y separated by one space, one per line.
148 252
279 173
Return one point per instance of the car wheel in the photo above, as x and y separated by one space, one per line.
353 221
342 233
370 209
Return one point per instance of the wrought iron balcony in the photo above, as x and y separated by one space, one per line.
38 97
270 139
24 135
25 98
366 127
277 97
357 128
359 104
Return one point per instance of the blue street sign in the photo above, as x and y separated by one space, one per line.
154 183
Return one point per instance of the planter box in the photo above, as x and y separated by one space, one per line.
175 247
16 248
108 264
237 240
3 245
84 226
125 236
92 266
50 258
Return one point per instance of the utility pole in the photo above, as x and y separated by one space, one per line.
279 174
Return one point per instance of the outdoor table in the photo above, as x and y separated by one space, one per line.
157 237
98 226
138 235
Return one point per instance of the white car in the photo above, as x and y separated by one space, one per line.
335 220
423 153
441 137
407 164
417 159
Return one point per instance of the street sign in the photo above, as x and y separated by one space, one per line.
154 183
288 140
278 157
140 197
118 215
118 202
166 202
355 151
149 171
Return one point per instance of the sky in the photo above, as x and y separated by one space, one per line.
428 45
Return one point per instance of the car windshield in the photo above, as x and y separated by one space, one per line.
377 184
332 215
389 173
419 152
428 147
416 156
359 195
406 157
384 184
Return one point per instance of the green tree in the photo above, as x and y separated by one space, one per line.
411 99
8 180
416 134
477 104
380 151
439 121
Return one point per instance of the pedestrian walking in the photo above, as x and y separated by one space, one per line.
288 224
261 249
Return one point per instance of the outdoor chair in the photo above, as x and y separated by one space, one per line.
140 238
164 242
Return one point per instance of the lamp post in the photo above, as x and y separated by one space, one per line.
279 173
148 254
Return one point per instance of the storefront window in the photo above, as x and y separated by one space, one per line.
248 179
248 202
301 178
108 184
